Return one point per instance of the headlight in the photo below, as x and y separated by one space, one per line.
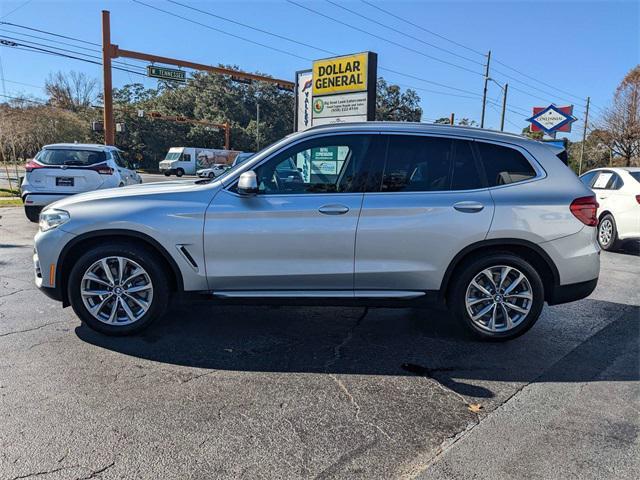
52 218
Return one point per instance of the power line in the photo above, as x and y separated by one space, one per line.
51 33
384 25
423 29
414 77
25 84
17 8
455 65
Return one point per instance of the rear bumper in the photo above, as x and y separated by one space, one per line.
42 199
571 292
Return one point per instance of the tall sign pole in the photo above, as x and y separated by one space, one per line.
504 106
484 93
107 51
584 136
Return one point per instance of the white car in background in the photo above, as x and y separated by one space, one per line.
213 171
618 193
64 169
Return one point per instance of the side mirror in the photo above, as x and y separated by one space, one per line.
135 165
248 183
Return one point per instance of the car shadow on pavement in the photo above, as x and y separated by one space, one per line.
358 341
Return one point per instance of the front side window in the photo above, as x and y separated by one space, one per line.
186 157
428 164
72 157
504 165
323 165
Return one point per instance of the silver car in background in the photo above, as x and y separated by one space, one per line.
383 214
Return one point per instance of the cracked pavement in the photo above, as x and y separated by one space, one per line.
291 392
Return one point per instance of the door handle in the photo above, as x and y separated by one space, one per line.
468 207
335 209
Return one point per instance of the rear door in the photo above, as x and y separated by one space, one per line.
67 171
606 185
423 205
126 174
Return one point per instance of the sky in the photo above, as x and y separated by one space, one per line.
548 51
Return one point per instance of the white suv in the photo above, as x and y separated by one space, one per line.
64 169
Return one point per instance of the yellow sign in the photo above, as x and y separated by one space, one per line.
340 74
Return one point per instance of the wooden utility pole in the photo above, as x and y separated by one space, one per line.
107 52
452 118
110 51
484 92
584 136
504 106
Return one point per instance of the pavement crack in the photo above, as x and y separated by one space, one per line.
93 473
16 291
31 329
337 350
45 472
195 377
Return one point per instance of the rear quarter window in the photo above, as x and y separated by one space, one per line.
504 165
61 156
636 176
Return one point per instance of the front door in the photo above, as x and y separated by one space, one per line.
298 233
422 206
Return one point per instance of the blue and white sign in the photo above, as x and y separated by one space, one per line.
552 119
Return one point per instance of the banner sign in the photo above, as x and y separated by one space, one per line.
552 119
303 100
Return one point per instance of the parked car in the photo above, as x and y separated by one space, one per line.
188 160
64 169
213 171
618 193
387 214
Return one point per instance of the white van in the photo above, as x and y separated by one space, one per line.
187 160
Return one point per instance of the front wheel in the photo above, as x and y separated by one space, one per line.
211 175
498 297
607 233
179 172
33 213
167 174
118 289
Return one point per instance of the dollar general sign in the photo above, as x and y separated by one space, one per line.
341 74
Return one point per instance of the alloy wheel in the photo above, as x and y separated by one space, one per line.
605 231
116 290
499 298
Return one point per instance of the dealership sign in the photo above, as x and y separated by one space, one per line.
343 89
552 119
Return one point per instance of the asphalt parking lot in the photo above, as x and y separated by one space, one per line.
291 392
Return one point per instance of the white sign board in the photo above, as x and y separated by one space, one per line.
343 105
602 180
304 97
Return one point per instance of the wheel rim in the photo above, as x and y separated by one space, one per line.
499 298
116 291
606 231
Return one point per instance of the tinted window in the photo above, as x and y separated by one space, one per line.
635 175
607 181
60 156
428 164
504 165
119 160
324 165
587 178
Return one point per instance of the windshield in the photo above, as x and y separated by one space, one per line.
64 156
172 156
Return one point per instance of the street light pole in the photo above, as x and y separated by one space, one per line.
107 54
257 126
584 136
504 106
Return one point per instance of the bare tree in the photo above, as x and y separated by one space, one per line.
620 128
73 91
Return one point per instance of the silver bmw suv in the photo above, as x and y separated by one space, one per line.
381 214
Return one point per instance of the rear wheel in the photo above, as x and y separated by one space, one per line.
607 233
33 213
118 289
179 172
167 174
211 175
498 297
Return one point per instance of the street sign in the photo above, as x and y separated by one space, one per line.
170 74
552 119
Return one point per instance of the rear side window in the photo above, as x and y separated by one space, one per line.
608 181
61 156
428 164
635 175
587 178
504 165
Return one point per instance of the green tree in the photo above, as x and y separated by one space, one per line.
394 105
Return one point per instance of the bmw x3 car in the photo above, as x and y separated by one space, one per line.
383 214
64 169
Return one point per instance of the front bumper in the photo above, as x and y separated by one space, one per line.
46 252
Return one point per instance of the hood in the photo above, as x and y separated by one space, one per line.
132 191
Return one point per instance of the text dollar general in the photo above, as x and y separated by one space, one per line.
340 74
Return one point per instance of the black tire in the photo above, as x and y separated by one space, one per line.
613 242
468 272
179 172
33 213
167 174
211 175
146 259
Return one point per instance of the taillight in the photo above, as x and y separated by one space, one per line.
32 165
638 198
585 209
102 169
